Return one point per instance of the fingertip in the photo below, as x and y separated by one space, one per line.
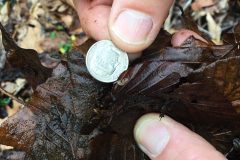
134 25
182 35
94 17
163 138
151 135
130 30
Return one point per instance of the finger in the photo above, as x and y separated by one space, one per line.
165 139
181 36
134 24
94 17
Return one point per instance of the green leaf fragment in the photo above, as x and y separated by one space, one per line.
65 48
73 38
53 35
4 101
59 27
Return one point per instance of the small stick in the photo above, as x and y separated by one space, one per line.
12 96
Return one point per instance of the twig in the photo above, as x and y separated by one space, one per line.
229 152
12 96
222 133
188 4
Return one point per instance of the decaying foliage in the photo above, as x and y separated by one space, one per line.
213 17
72 116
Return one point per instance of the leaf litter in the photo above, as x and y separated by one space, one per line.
72 116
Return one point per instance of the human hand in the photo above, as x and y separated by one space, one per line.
166 139
131 24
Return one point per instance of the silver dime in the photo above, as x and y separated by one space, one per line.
106 62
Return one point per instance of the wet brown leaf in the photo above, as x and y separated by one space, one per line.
23 132
111 146
151 78
62 113
25 59
223 77
197 82
72 116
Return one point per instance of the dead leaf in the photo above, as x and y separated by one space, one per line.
4 13
196 81
26 59
214 29
199 4
72 116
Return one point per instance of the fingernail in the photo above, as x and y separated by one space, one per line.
151 135
132 27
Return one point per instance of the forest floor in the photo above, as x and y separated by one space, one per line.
51 27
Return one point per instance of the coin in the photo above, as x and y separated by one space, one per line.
105 62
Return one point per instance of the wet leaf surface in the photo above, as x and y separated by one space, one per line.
72 116
197 83
25 59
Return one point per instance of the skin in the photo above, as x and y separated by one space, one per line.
97 18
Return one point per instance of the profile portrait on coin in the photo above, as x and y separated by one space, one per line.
106 62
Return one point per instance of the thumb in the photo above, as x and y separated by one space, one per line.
165 139
134 24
